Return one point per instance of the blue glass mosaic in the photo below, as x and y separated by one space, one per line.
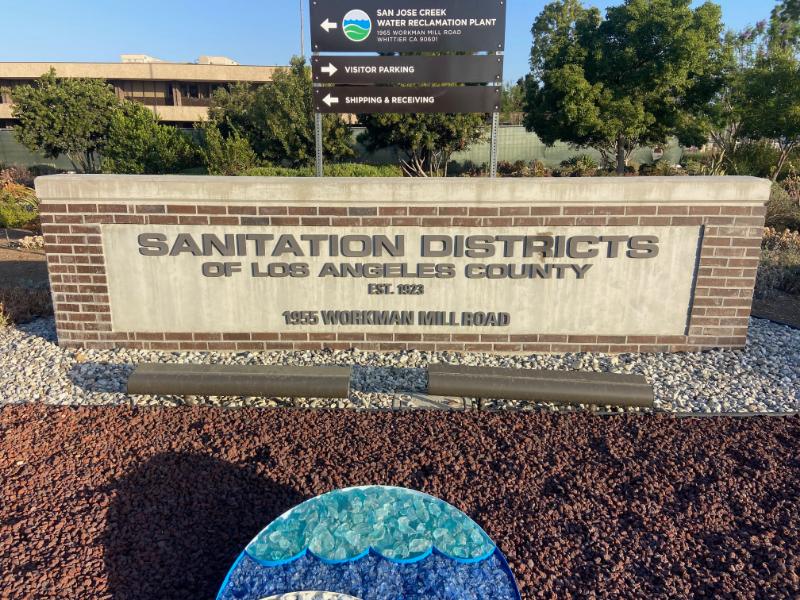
372 542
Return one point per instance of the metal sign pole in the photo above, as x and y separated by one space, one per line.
318 142
320 172
496 125
493 151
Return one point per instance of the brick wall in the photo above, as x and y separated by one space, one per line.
719 314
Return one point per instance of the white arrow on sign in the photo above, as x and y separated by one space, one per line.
329 70
330 100
327 25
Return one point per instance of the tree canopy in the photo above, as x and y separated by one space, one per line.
771 104
629 79
425 141
65 116
277 119
784 26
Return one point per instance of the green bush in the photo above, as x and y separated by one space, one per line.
137 143
520 168
660 168
230 155
753 158
19 206
703 163
582 165
332 170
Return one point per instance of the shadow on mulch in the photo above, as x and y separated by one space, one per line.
177 523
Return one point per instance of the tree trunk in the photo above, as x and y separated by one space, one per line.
620 155
785 152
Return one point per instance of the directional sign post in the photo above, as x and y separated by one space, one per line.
373 99
408 26
357 70
370 84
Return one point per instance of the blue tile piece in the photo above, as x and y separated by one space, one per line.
399 524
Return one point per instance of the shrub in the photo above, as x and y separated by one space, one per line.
362 170
277 119
703 163
780 263
226 156
516 169
19 207
753 158
332 170
467 168
792 186
520 168
660 168
783 211
137 143
276 171
578 166
17 174
20 305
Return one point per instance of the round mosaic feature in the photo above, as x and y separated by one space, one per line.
369 543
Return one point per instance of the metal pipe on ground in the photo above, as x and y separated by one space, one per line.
240 380
560 387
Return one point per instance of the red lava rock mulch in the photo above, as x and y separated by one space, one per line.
156 503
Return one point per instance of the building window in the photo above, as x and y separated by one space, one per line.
195 93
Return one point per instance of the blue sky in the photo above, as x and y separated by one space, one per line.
253 32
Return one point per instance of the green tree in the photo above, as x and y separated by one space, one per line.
771 105
65 116
425 141
138 144
512 101
629 79
744 65
784 26
277 119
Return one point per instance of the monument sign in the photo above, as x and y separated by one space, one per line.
512 265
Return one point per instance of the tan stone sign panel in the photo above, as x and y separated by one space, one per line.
564 280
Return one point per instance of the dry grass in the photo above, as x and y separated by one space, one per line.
780 263
20 305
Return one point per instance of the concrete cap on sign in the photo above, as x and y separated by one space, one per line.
455 191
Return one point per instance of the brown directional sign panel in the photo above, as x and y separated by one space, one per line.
372 99
407 69
408 25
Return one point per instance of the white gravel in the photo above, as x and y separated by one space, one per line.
765 377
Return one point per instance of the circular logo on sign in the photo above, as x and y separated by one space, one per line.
357 25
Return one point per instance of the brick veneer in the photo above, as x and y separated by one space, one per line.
720 310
